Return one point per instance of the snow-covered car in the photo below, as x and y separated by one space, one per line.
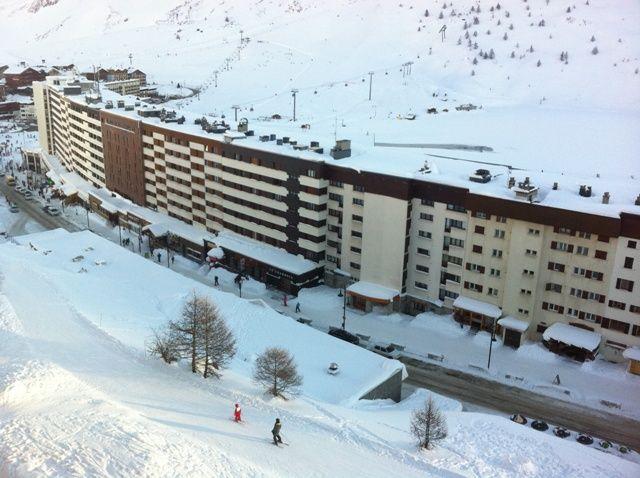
28 195
344 335
52 211
20 189
386 350
14 208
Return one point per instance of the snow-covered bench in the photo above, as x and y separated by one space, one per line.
437 358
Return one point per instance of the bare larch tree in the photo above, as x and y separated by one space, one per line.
428 425
276 369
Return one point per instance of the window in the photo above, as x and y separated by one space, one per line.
628 262
357 218
357 250
572 312
358 202
358 188
496 253
421 285
635 309
426 202
624 284
356 233
448 223
335 197
617 305
480 215
494 272
636 331
337 184
565 230
472 286
501 219
561 246
492 291
534 232
632 244
455 207
475 267
553 307
477 249
332 259
616 325
555 266
550 286
425 234
526 312
584 235
600 255
426 217
582 250
527 272
355 265
311 173
421 268
479 230
499 234
525 291
449 293
531 252
424 252
452 241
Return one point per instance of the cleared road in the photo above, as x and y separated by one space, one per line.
33 209
507 399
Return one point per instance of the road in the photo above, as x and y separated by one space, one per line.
453 383
33 210
488 393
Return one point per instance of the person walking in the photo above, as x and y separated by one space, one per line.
237 413
298 307
215 281
276 432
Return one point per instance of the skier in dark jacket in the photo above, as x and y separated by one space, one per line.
276 432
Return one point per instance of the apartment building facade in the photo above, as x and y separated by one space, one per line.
427 244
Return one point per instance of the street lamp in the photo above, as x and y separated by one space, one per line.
344 306
493 338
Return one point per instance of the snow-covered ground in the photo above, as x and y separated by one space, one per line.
80 398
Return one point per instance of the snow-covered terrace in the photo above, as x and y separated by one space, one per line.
570 335
477 306
543 155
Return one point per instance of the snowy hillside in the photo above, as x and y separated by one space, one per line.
79 397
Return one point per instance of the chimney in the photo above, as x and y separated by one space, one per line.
342 149
605 198
637 203
512 182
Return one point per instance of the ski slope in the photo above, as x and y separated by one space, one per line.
79 397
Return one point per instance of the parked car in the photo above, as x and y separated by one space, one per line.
20 189
14 208
52 211
386 350
344 335
28 195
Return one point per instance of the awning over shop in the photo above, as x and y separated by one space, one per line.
574 336
373 292
477 306
512 323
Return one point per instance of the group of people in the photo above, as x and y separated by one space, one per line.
275 431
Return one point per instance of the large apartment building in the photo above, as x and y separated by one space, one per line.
404 243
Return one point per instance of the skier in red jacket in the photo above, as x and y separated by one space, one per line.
237 413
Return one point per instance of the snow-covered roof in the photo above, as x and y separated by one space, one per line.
632 353
570 335
373 291
477 306
512 323
274 256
